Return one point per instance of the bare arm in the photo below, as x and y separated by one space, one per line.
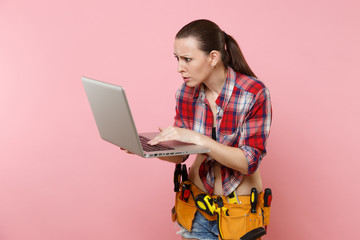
232 157
174 159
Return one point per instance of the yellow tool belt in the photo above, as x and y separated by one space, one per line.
233 223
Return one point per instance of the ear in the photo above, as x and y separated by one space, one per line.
215 57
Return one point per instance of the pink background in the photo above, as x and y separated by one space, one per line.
59 180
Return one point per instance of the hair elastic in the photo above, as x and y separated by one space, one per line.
225 35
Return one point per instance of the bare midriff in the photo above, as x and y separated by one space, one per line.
244 188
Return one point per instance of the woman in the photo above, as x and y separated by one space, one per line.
221 106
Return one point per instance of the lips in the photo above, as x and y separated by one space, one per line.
186 79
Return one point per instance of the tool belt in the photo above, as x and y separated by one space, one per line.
235 220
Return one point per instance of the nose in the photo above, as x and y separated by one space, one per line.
180 67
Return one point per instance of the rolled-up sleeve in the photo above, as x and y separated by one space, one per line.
255 130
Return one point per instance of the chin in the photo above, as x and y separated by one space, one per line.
191 84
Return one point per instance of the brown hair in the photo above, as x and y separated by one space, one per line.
210 37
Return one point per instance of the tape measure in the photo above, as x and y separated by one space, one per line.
205 203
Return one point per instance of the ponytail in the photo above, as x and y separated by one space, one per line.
234 58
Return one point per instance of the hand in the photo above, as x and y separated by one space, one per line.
175 133
126 151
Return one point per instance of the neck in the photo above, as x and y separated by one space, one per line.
216 81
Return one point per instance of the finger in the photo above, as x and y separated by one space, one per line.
152 142
167 137
160 138
163 133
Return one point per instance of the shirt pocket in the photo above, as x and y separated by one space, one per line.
229 122
229 128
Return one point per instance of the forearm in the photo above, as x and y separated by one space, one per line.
231 157
174 159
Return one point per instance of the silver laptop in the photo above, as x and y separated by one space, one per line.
116 125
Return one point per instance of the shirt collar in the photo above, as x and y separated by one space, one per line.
226 91
196 91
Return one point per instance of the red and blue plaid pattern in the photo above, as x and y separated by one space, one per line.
243 120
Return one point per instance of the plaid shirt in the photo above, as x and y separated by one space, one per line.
243 120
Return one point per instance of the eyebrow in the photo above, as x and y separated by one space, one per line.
184 56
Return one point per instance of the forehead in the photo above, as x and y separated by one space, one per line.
186 46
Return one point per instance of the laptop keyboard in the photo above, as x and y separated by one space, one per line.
153 148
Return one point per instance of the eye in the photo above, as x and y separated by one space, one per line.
187 59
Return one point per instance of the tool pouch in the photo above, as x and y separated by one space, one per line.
240 222
266 215
184 211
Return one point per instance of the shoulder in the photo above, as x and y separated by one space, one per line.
249 84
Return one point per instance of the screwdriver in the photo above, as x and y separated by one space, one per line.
267 197
267 201
185 192
253 199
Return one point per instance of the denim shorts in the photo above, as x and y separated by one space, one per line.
201 229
